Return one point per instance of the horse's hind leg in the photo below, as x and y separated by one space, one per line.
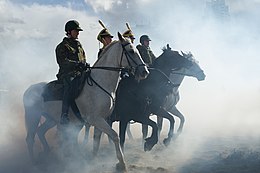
43 128
122 131
86 136
144 130
32 120
96 141
128 131
103 126
159 124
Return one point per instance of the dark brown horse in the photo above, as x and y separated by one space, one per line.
137 101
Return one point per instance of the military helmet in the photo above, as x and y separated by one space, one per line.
72 25
128 34
103 33
144 38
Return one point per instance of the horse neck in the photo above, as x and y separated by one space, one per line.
176 79
108 79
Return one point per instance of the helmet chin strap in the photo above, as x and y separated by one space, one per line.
104 41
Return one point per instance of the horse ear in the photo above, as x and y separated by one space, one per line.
168 47
120 37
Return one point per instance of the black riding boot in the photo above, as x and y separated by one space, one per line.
66 101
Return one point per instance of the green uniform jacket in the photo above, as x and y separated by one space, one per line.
69 54
146 54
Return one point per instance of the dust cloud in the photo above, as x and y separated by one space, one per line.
222 112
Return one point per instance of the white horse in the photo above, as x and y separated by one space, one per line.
177 77
95 102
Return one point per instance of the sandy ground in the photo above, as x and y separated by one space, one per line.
205 146
189 153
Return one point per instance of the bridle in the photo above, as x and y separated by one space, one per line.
128 58
130 69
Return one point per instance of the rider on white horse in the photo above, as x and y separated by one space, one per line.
71 59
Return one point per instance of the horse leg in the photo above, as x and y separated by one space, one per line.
144 131
32 119
122 131
176 112
129 134
159 124
153 139
43 128
96 141
86 136
103 126
165 114
110 122
73 139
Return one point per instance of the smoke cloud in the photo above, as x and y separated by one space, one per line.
223 108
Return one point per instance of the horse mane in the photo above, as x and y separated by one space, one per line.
186 54
106 49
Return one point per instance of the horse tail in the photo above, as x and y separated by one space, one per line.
33 105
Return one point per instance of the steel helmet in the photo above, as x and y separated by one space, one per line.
144 38
72 25
103 33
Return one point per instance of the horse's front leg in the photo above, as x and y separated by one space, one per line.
122 132
103 126
176 112
153 139
163 113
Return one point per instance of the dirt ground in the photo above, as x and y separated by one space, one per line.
189 153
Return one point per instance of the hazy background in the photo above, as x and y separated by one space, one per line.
227 103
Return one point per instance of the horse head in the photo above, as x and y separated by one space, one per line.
170 60
194 70
131 58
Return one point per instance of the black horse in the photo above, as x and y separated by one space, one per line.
137 101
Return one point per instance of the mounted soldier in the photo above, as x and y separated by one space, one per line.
129 33
145 50
71 59
104 37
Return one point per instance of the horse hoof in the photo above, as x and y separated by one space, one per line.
147 147
166 142
121 167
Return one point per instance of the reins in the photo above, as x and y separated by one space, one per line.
117 69
158 70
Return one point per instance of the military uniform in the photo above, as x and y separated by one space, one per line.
145 51
101 37
100 51
146 54
71 59
129 34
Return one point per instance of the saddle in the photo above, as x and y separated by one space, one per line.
54 89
